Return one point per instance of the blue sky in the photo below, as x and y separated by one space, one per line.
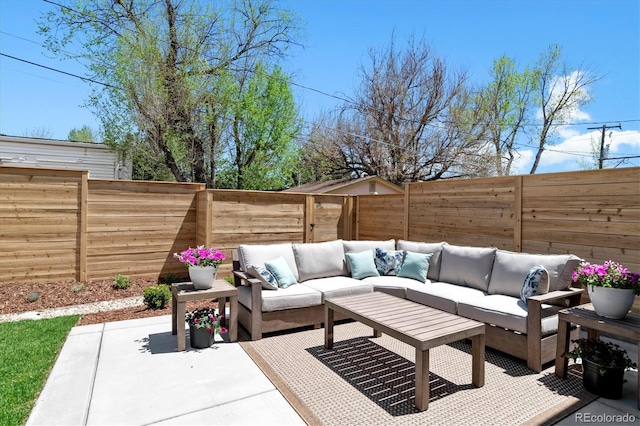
603 35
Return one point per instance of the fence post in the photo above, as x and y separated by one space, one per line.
347 217
309 214
82 227
407 189
204 217
517 216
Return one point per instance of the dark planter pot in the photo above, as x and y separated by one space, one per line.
608 385
200 338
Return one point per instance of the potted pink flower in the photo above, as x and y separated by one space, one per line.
204 324
611 287
202 263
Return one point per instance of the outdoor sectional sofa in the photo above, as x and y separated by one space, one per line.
481 283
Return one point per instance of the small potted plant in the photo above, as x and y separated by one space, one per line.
611 287
203 265
204 324
603 366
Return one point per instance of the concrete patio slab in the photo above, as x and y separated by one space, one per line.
129 372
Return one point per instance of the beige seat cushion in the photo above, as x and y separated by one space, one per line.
338 286
507 312
443 296
295 296
396 286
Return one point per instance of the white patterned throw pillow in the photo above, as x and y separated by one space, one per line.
267 279
388 261
537 277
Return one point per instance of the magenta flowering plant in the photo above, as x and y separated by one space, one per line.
610 274
205 318
200 256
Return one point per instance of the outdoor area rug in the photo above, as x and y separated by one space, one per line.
366 381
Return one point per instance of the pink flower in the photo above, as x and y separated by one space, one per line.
223 330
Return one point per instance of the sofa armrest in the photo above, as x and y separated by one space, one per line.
568 297
242 278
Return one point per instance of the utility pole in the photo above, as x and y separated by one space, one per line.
604 129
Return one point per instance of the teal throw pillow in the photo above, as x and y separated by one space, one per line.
280 269
415 266
388 261
362 264
536 277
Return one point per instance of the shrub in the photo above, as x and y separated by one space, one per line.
156 296
33 296
120 282
230 280
78 288
171 278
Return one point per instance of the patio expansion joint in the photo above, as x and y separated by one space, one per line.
177 416
94 376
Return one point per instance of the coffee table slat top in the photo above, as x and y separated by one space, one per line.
421 326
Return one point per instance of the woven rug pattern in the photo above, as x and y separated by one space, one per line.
368 381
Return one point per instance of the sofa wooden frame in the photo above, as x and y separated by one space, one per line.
532 347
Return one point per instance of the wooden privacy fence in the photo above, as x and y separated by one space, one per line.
59 224
256 217
592 214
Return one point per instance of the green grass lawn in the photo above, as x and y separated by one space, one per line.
28 350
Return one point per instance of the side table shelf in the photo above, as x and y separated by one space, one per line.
183 292
585 316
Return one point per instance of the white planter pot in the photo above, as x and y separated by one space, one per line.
202 277
611 303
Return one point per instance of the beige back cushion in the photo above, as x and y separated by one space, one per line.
257 254
364 245
320 260
468 266
425 248
510 269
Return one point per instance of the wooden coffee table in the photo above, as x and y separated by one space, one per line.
417 325
183 292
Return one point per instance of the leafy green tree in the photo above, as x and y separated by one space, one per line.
83 134
163 64
561 91
505 104
262 151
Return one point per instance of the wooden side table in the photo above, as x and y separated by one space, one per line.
184 292
584 315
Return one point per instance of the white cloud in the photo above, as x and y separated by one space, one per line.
585 147
577 149
558 85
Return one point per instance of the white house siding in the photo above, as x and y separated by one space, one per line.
97 158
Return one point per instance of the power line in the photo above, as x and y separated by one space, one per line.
293 83
59 71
